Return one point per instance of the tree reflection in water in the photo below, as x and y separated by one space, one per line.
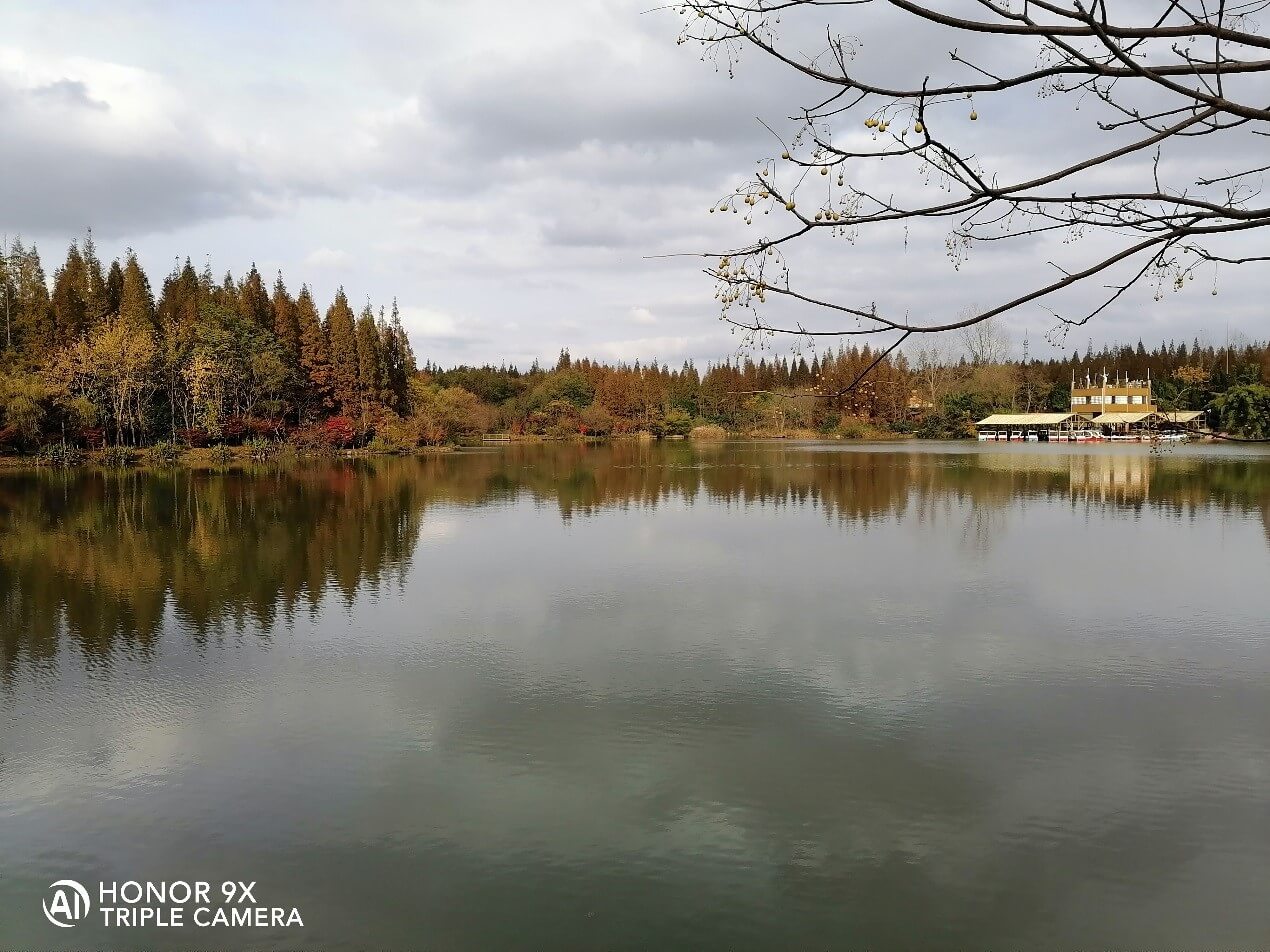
104 556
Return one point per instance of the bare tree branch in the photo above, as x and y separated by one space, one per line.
1183 70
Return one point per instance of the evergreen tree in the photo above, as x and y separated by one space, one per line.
206 283
342 334
8 292
187 297
398 361
388 394
94 289
225 297
315 354
253 300
33 330
370 363
70 309
114 289
285 323
177 313
136 302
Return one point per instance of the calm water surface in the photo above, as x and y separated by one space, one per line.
650 696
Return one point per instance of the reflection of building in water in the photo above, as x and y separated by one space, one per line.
1095 477
1110 478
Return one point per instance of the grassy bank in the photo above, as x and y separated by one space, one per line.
167 455
212 457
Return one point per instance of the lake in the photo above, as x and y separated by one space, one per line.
644 696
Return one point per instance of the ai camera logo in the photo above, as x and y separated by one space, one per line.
70 903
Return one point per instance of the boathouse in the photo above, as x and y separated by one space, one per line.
1105 410
1191 421
1035 427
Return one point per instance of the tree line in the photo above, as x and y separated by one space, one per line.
858 391
97 358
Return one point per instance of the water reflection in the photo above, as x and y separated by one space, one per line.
103 556
659 696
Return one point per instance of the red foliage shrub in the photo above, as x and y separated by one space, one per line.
339 431
234 429
92 436
194 437
267 428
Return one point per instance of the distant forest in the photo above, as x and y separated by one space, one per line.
97 358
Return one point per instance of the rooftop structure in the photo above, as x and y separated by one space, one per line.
1105 396
1036 426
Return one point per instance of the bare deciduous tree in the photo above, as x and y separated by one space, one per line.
1166 179
985 342
935 371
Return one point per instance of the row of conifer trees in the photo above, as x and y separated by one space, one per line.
102 350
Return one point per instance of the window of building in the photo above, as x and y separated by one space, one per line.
1120 398
1137 398
1097 398
1078 400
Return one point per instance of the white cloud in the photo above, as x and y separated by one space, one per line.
508 178
668 349
327 258
426 321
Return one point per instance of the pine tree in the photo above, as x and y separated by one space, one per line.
114 289
285 324
8 292
389 394
398 360
225 297
206 283
70 309
315 355
136 302
342 334
253 300
94 288
370 360
33 330
177 313
409 367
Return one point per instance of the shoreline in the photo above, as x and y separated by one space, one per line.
221 457
215 457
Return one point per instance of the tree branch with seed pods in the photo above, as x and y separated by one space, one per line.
1141 202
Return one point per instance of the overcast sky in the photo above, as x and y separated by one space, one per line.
510 171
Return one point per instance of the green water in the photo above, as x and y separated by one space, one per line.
649 696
